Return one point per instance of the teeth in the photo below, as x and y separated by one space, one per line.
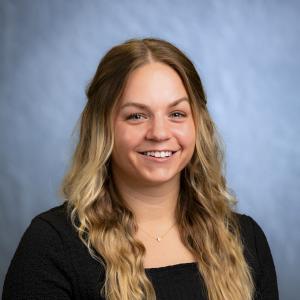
159 154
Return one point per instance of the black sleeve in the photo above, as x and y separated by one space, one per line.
39 268
267 286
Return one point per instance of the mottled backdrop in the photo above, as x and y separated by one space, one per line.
247 53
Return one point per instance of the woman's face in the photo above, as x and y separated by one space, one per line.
154 118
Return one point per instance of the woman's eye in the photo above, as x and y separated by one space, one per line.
139 116
133 116
177 113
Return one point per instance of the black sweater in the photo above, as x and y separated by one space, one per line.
52 263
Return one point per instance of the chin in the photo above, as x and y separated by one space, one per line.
158 179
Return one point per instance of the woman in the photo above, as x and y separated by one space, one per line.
147 212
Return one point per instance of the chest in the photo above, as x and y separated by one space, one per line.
168 251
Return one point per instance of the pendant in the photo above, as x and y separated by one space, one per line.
158 239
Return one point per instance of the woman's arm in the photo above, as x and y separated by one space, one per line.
39 268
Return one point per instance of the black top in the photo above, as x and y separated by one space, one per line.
51 262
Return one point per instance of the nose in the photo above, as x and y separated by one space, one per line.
158 130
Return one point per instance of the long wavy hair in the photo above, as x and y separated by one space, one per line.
207 223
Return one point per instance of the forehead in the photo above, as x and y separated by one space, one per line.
153 84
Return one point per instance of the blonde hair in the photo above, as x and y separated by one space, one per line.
207 223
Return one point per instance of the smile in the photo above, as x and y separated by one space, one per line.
158 156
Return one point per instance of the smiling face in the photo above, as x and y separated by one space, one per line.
153 114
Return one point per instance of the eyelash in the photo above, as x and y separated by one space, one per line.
138 114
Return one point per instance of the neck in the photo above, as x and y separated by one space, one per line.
153 205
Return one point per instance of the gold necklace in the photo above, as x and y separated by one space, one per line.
158 238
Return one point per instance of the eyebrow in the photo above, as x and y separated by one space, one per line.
143 106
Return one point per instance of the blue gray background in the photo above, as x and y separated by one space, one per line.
247 53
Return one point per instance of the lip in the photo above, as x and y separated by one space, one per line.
167 150
158 159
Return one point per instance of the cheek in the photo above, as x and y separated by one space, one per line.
186 134
126 137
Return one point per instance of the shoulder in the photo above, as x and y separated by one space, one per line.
55 219
57 215
55 225
252 234
253 237
46 236
51 260
53 228
52 225
39 264
258 255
